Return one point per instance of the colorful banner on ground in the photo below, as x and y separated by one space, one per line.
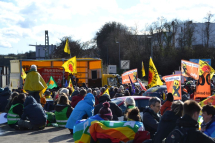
81 132
203 86
132 74
115 130
153 78
66 48
190 69
52 83
70 66
142 87
143 70
205 67
208 101
173 84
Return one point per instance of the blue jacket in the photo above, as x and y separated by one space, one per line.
83 107
210 131
34 111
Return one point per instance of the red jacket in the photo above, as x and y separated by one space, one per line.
76 99
165 107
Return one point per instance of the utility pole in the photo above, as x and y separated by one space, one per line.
46 48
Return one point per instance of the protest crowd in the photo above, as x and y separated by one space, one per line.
91 115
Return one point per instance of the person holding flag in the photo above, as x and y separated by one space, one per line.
34 83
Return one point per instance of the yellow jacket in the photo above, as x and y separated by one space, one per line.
34 82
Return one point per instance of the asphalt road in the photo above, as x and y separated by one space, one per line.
49 134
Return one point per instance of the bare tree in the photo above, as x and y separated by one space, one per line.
208 28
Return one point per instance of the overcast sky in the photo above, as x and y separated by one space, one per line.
23 22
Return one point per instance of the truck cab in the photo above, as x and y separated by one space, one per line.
111 80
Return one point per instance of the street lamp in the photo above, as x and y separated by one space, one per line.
150 37
119 53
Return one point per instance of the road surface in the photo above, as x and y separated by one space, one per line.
49 134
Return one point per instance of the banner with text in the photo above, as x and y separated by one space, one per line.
132 74
190 69
173 83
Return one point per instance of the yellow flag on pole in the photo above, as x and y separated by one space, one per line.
66 48
143 70
71 85
23 75
153 78
70 66
106 92
205 67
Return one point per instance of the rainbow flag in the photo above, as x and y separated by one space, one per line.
81 129
115 130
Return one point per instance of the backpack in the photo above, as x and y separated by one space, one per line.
178 135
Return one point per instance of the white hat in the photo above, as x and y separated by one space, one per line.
130 101
34 67
65 90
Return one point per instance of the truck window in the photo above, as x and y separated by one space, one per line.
112 81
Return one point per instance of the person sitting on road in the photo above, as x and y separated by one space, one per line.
130 104
133 115
167 105
16 110
77 98
9 103
106 114
82 108
188 123
168 121
151 116
35 114
116 110
63 110
208 125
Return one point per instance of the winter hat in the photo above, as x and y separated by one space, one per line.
130 101
105 112
169 97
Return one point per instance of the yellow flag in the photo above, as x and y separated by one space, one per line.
71 85
153 78
23 75
143 70
204 66
106 92
66 48
70 66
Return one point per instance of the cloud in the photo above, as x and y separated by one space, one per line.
24 20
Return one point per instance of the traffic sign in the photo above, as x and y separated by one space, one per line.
125 64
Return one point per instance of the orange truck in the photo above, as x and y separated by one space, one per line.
89 71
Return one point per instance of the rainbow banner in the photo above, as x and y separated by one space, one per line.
115 130
81 129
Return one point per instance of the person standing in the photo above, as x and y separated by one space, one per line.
167 105
34 83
